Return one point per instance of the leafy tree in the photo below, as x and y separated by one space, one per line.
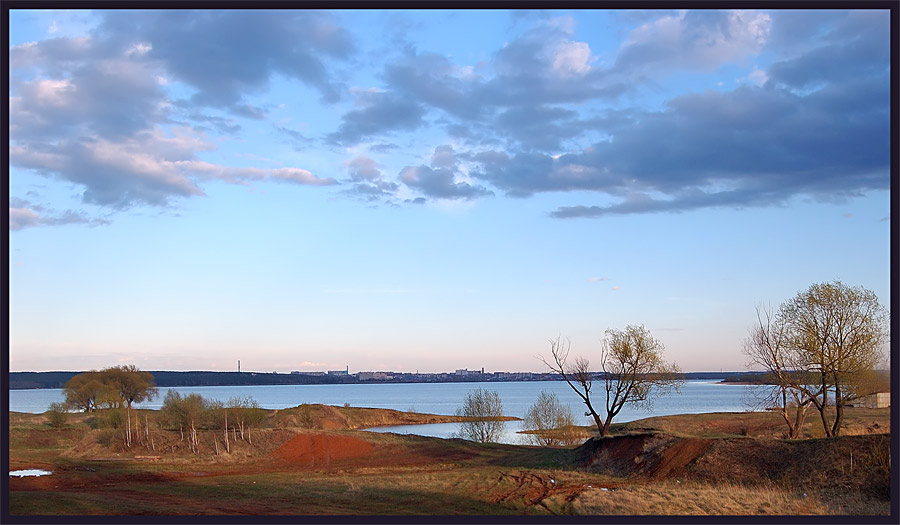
552 421
833 340
484 411
130 384
633 372
117 386
86 391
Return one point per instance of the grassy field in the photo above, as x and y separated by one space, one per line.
706 464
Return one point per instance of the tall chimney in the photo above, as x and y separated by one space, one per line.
239 366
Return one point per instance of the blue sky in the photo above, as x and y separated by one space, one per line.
433 190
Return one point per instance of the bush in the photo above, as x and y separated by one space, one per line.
57 415
114 418
485 410
552 421
107 437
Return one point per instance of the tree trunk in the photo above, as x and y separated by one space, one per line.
227 448
128 428
792 430
596 416
838 418
821 408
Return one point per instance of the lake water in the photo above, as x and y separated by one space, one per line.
436 398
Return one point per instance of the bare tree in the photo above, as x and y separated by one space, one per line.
551 421
836 334
578 375
633 371
767 346
484 411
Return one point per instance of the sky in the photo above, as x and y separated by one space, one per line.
434 190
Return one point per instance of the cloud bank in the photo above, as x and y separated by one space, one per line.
130 111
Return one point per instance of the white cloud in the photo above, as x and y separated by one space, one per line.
572 58
696 39
141 48
757 77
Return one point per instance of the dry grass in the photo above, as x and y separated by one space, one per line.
696 499
769 424
427 476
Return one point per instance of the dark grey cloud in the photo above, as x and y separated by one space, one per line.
434 80
381 113
794 30
750 147
820 128
116 175
227 54
94 110
102 96
542 67
842 57
441 179
684 201
541 128
383 147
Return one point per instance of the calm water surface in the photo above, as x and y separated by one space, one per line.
433 398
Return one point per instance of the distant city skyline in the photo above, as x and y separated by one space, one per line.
434 189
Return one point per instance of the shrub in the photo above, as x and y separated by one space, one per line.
485 410
106 437
552 421
57 415
114 418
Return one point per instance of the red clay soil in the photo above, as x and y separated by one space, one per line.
847 462
314 450
651 456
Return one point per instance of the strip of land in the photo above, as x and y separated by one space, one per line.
314 460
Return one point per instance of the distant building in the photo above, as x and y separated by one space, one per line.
339 372
378 376
307 373
879 400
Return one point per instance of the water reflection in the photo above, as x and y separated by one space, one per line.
30 472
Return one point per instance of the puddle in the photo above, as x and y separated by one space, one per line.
30 472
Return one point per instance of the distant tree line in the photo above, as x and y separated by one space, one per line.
165 379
